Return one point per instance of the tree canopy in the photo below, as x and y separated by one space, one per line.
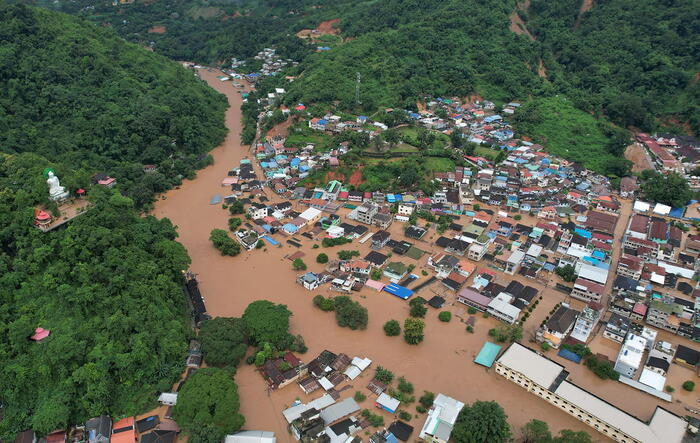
268 323
671 189
482 421
108 288
209 398
224 341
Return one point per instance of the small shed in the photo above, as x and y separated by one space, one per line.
387 402
168 398
487 355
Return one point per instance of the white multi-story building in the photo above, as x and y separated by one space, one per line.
548 380
630 357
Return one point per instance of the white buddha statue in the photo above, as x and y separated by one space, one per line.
56 191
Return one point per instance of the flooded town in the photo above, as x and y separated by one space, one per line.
497 256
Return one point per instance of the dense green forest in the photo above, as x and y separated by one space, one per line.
634 61
78 94
78 99
107 287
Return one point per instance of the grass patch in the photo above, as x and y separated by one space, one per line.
566 131
438 164
488 153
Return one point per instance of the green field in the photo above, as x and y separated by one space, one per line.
300 135
488 153
565 131
438 164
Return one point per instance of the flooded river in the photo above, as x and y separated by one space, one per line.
442 363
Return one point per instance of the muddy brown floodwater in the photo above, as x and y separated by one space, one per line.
442 363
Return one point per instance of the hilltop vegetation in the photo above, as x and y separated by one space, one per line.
78 99
78 94
631 59
107 287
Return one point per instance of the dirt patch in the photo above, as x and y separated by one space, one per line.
639 158
328 27
586 6
517 25
541 71
281 129
157 30
354 180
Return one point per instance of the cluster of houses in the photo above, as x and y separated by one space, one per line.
103 429
673 153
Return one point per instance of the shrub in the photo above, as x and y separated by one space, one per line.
323 303
517 217
234 223
445 316
347 255
670 388
225 244
315 246
322 258
260 244
545 346
360 397
413 331
383 375
405 416
424 272
689 386
349 313
330 242
405 386
426 400
376 274
601 368
492 332
298 265
421 409
471 310
470 329
392 328
485 315
418 310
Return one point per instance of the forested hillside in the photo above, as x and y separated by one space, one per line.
78 94
78 99
635 62
107 287
631 59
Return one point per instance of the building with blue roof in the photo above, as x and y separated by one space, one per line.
399 291
487 355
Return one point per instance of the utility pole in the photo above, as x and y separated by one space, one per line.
357 89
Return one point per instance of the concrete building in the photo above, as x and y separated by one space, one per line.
366 211
501 308
548 380
616 328
630 357
441 419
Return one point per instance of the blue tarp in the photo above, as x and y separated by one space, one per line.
676 212
215 200
583 233
569 355
399 291
270 240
